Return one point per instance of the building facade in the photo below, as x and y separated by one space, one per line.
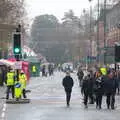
113 25
5 39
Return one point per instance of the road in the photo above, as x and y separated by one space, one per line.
48 103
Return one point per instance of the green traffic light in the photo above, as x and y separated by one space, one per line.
17 50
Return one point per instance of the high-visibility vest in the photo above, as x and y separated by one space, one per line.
103 71
23 80
10 78
18 90
34 68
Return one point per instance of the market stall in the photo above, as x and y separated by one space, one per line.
22 65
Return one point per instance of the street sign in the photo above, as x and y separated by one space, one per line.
18 65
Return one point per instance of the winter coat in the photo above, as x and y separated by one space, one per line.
80 74
98 85
110 85
67 82
87 86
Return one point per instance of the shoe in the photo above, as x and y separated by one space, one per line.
108 107
68 104
100 107
91 103
17 99
112 107
96 106
86 106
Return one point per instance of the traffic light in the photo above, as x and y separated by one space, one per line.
17 43
117 53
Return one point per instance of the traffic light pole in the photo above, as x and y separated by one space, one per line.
17 47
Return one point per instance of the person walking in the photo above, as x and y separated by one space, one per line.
80 75
91 85
87 89
43 70
34 70
68 84
110 86
118 81
98 89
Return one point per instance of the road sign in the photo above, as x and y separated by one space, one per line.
18 65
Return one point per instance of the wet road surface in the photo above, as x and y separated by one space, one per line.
48 103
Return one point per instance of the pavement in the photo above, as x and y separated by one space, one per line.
48 103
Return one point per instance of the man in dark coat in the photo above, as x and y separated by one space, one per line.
80 75
110 85
68 84
87 89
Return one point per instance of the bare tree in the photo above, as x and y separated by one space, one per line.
14 11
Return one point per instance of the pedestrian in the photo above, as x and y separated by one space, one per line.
118 81
80 75
98 89
10 83
68 84
50 69
34 70
110 86
87 89
91 85
43 70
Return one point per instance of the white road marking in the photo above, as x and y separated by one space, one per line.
3 111
3 114
5 105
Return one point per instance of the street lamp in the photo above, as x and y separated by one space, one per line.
104 30
98 34
90 52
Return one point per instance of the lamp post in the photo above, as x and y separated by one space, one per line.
90 52
104 31
79 25
98 33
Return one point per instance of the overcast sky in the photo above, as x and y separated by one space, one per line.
55 7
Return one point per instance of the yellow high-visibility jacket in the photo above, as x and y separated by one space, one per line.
23 80
10 78
103 71
34 68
